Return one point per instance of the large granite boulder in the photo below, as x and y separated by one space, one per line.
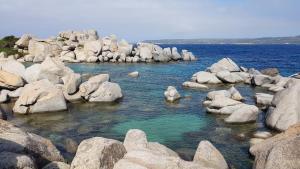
285 108
263 99
279 151
92 84
41 49
207 154
40 96
228 77
10 80
71 82
125 47
244 114
13 66
107 92
171 94
224 64
15 140
11 160
206 77
98 153
93 48
259 80
175 55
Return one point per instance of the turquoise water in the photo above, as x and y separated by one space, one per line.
180 126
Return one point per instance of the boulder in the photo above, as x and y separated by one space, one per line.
10 80
126 164
235 94
228 77
57 165
260 80
107 92
145 51
279 151
15 140
23 42
125 47
285 108
270 72
134 74
98 153
40 96
135 140
187 56
206 77
219 93
224 110
15 161
175 55
264 99
262 134
245 114
224 64
221 102
194 85
92 84
4 96
71 82
40 49
171 94
13 66
207 154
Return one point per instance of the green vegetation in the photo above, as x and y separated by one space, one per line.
7 45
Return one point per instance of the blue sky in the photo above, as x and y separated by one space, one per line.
153 19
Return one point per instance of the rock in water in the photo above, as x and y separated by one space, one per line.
98 153
15 140
40 96
285 108
280 151
194 85
264 99
92 84
270 72
171 94
224 64
134 74
107 92
245 114
71 82
207 154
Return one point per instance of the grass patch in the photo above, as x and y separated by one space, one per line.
7 45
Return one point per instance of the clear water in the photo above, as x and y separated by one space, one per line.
180 126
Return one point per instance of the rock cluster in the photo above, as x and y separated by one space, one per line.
47 86
87 46
228 102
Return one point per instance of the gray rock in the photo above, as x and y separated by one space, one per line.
135 140
228 77
15 161
175 55
171 94
224 64
107 92
57 165
263 99
206 77
13 66
260 80
194 85
98 153
10 80
270 72
23 42
92 84
71 82
245 114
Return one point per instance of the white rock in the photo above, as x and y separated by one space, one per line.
245 114
107 92
194 85
171 94
134 74
224 64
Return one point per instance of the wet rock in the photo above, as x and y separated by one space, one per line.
171 94
285 107
194 85
98 153
40 96
207 154
71 145
57 165
15 140
15 161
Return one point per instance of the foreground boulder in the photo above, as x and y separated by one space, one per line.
15 140
10 80
98 153
285 108
92 85
280 151
206 153
40 96
171 94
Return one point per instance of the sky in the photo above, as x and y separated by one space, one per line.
136 20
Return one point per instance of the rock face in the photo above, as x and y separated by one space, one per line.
285 108
206 153
10 80
98 153
15 140
280 151
16 161
171 94
71 82
40 96
107 92
224 64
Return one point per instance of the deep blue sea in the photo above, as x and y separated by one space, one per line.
180 126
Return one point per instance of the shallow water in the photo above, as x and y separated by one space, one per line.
180 126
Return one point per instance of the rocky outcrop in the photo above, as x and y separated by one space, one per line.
285 108
92 85
98 153
280 151
40 96
171 94
26 145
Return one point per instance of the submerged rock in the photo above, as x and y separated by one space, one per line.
171 94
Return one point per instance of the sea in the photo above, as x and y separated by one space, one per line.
180 126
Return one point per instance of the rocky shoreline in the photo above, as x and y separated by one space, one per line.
49 85
88 47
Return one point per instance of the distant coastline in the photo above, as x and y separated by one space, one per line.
241 41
